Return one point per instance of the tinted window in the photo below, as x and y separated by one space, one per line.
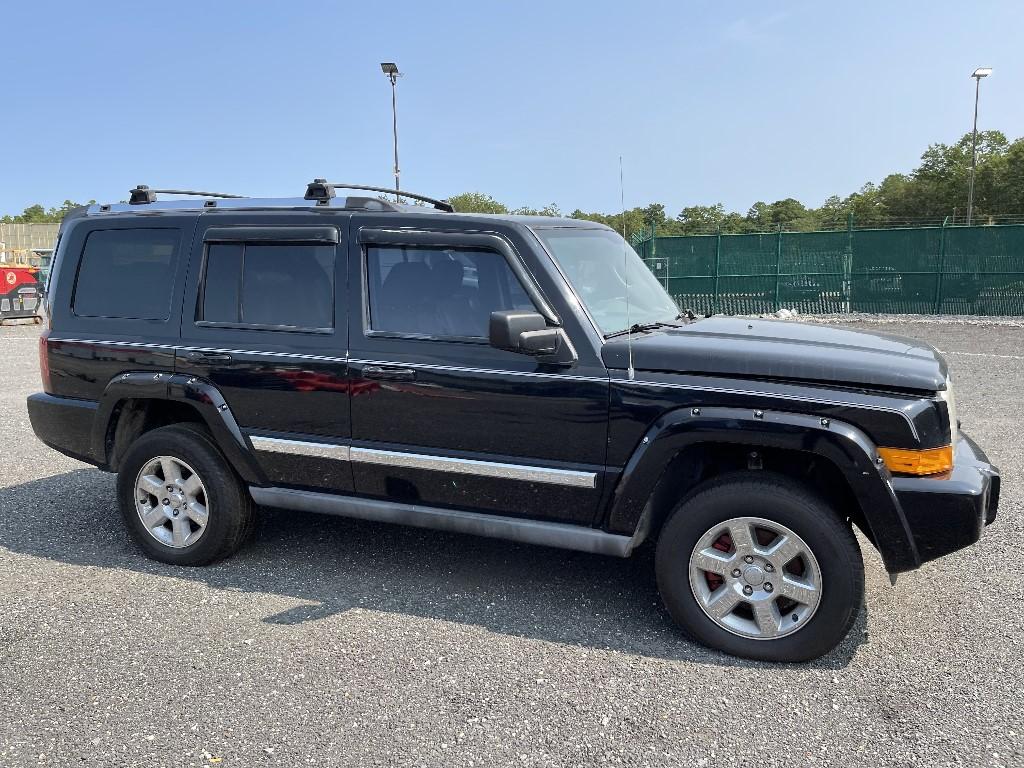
269 285
440 291
127 273
223 283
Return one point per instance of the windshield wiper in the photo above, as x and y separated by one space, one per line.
642 328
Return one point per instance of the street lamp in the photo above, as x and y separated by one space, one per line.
979 73
390 69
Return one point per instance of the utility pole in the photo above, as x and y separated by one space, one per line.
390 69
978 74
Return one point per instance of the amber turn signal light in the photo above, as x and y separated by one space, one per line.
905 461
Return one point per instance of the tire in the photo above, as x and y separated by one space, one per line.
763 504
229 510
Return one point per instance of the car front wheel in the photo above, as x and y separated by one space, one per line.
758 566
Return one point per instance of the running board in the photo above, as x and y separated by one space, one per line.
560 535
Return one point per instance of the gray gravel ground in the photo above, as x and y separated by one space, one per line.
335 642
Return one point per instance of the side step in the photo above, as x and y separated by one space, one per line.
560 535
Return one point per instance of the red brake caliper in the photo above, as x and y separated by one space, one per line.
723 544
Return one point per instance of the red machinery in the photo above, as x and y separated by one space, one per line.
21 292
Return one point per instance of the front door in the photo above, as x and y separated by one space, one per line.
441 418
265 321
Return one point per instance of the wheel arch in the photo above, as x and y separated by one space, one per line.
135 403
685 448
131 417
698 464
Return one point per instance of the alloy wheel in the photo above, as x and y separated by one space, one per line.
755 578
172 502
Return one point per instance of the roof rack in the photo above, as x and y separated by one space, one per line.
142 194
322 191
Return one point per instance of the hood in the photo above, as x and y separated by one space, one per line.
769 349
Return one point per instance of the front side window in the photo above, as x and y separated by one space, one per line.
439 292
599 265
278 286
127 273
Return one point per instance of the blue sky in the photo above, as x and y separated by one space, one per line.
530 102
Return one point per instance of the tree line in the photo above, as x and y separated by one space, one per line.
37 214
933 192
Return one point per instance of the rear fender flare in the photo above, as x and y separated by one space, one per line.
843 444
203 396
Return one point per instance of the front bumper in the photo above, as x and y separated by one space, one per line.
946 513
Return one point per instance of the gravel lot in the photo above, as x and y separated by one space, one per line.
336 642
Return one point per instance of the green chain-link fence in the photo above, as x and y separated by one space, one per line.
945 270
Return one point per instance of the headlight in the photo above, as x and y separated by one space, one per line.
947 396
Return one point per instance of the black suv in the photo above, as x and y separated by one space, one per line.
487 375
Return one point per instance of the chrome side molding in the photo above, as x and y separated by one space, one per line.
559 535
477 467
300 448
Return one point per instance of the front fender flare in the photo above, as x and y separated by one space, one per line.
201 395
844 445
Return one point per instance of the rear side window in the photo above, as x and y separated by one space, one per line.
269 286
127 273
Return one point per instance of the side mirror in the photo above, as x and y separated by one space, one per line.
523 332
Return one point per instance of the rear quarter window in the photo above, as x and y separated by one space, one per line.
127 273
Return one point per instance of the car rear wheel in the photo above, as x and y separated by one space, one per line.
180 499
758 566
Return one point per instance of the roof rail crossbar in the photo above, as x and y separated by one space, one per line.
322 190
143 194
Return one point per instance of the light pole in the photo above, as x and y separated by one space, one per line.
979 73
390 69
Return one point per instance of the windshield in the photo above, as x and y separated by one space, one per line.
594 262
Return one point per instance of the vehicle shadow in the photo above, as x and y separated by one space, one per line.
333 564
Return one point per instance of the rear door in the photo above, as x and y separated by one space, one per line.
265 321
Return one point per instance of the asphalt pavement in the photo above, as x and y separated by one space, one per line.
337 642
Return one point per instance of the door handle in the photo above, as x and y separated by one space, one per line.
207 357
383 373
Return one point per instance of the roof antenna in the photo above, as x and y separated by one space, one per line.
630 373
